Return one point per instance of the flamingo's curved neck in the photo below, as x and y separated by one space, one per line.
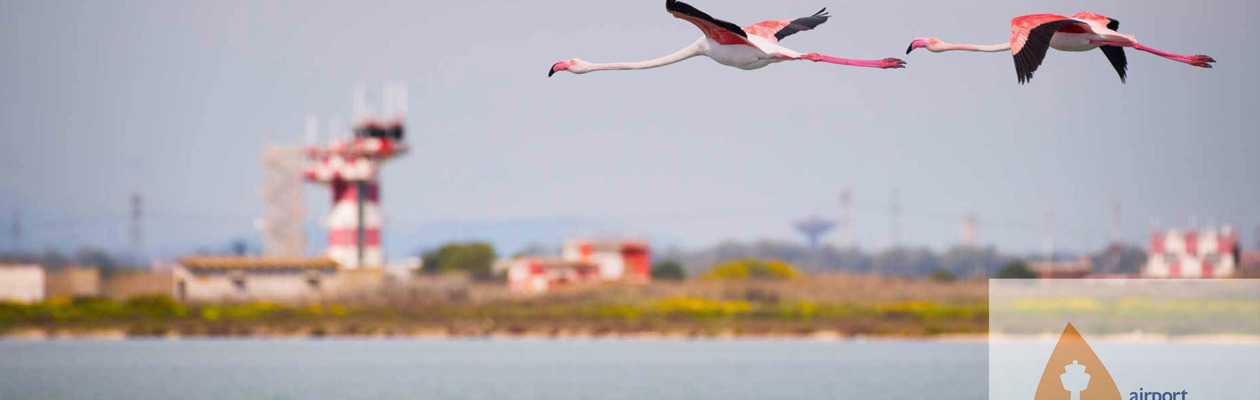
987 48
687 52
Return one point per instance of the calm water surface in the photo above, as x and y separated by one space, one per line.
491 369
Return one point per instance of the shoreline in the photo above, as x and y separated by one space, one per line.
819 336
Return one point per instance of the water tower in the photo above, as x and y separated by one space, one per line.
351 168
814 228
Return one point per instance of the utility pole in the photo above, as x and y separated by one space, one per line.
17 231
137 232
894 214
971 231
1257 235
846 219
1047 238
1115 224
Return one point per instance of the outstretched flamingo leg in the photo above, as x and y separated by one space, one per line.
1198 61
886 63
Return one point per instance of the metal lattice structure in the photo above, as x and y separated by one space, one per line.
282 228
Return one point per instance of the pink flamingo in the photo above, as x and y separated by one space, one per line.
1033 35
748 48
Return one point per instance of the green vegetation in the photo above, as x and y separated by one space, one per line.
753 270
841 305
668 270
60 310
1127 314
1016 270
475 259
689 315
943 275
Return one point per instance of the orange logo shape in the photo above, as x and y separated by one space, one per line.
1074 372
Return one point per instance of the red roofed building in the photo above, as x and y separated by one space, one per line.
1210 253
540 274
581 261
628 260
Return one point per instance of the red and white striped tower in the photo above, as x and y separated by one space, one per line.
351 168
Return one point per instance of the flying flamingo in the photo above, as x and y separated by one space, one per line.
1032 35
749 48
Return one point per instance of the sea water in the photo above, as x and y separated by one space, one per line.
492 369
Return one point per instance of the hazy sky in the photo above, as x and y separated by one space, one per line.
176 99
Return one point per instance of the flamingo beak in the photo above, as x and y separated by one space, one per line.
559 66
917 43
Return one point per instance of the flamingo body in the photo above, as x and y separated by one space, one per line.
760 54
1033 35
747 48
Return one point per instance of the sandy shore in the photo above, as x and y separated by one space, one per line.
818 336
437 334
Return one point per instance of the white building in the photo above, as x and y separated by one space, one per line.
629 260
21 283
1194 254
277 279
539 274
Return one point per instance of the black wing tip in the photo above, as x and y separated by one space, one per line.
689 10
678 6
1029 58
803 24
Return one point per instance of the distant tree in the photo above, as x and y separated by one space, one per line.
668 270
52 259
475 259
972 261
536 249
943 275
1119 259
846 259
94 257
906 261
1016 270
753 269
239 247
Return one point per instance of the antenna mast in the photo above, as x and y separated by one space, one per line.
1047 238
137 232
894 214
846 218
1115 223
17 231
